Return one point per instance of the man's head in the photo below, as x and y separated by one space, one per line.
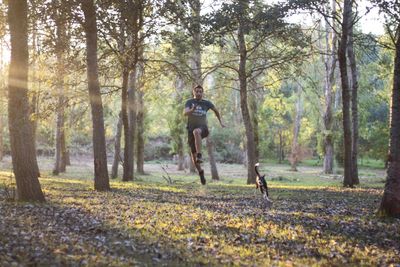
198 92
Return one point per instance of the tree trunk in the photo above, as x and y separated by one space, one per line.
60 50
21 133
254 119
2 98
140 118
213 164
128 160
63 163
67 158
281 155
294 157
34 92
346 97
177 129
59 133
181 155
390 204
354 107
251 152
196 43
132 116
330 66
117 148
101 181
1 136
140 134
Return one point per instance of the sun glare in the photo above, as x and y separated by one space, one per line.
4 54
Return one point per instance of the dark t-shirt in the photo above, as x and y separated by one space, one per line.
198 117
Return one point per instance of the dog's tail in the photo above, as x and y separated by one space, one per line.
256 169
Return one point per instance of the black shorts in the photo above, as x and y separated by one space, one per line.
191 142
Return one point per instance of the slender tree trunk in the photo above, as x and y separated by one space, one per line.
67 157
196 43
60 50
296 130
213 164
251 151
63 163
330 66
177 129
132 115
354 107
140 118
34 92
140 134
346 97
101 181
1 135
21 133
117 148
281 154
128 160
2 95
181 155
254 119
59 129
2 88
390 204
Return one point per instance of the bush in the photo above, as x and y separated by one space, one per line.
158 148
227 146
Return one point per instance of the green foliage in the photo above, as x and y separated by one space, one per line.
228 146
158 148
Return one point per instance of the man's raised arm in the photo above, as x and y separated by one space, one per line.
218 116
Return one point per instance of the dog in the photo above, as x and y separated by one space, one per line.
261 184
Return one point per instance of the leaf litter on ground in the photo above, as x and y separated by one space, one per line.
150 223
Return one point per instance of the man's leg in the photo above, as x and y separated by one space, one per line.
197 142
199 169
191 141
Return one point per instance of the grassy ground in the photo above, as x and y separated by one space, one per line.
313 220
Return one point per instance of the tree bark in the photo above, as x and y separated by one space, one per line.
346 97
2 98
281 155
1 137
213 164
390 204
251 153
177 129
128 160
181 154
254 119
140 115
196 43
140 132
60 55
132 115
330 66
34 92
354 106
101 180
296 130
22 143
64 159
117 148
